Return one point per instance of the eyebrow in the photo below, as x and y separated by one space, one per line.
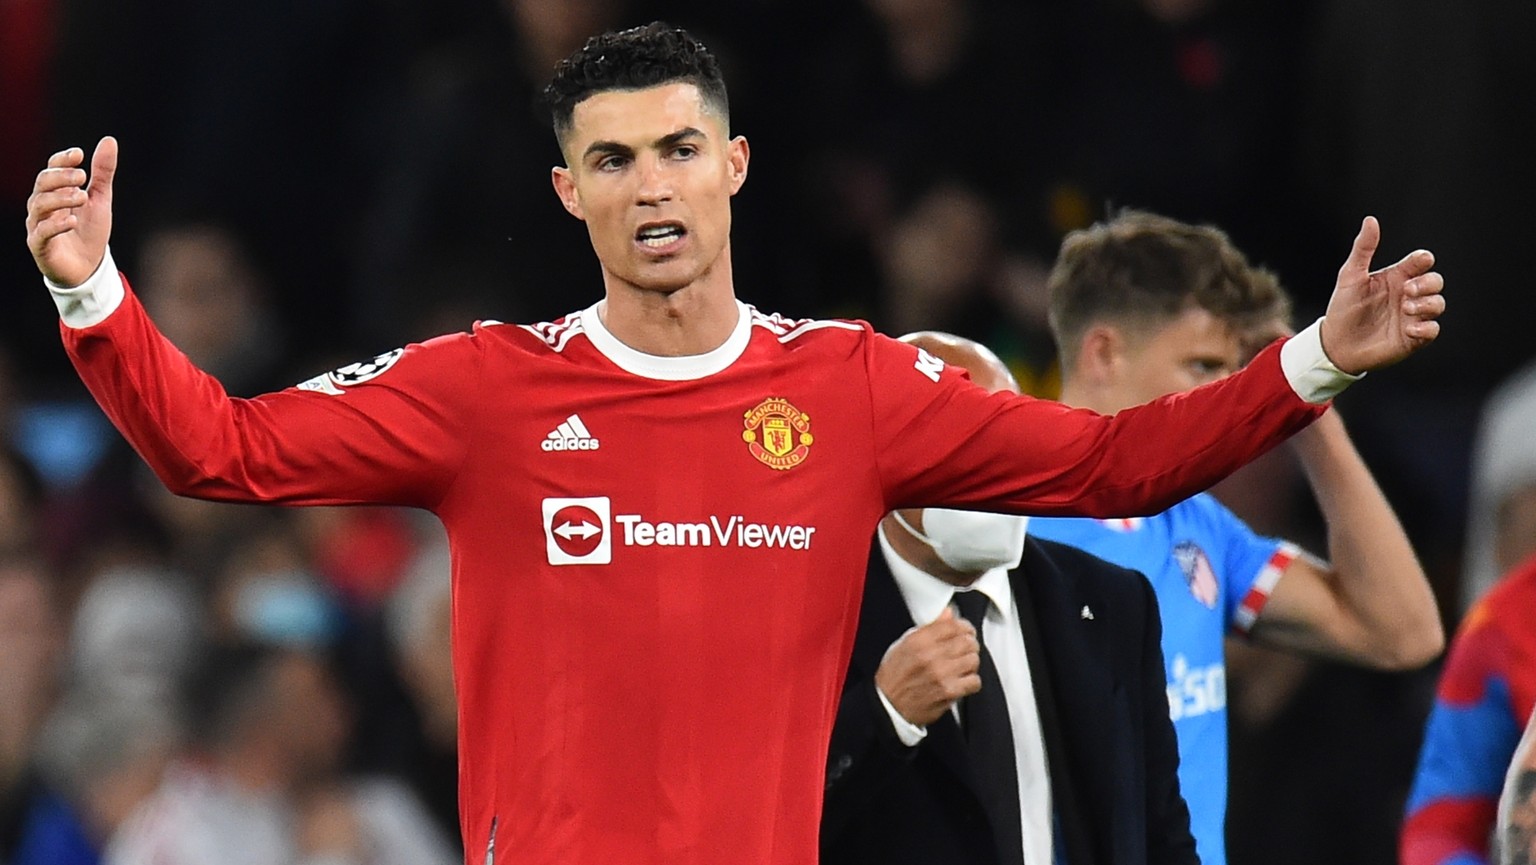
606 148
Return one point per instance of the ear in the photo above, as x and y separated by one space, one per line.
1101 355
565 187
737 155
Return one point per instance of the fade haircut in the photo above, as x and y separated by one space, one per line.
1140 270
634 59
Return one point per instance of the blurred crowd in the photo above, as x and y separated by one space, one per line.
310 182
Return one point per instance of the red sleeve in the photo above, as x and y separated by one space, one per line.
398 438
940 440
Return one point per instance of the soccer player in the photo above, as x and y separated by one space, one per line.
1143 306
660 506
1484 698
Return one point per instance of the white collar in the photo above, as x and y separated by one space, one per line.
927 595
685 368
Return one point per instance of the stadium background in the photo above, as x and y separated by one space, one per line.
310 182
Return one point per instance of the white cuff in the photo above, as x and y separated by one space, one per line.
90 302
1311 374
909 733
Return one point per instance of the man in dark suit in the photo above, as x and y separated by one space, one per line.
1005 700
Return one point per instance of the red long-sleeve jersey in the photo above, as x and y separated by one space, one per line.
657 562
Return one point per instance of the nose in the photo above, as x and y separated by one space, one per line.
655 181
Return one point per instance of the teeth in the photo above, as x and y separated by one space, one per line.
659 235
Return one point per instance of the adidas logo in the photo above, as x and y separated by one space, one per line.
571 435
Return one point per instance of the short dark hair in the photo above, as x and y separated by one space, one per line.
1140 269
634 59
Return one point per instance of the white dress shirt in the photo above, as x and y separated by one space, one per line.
926 597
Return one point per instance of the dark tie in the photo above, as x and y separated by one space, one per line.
989 739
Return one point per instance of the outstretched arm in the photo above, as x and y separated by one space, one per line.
942 444
395 438
1372 603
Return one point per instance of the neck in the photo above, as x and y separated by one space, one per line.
1078 396
921 556
694 319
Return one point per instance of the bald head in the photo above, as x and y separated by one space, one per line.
986 368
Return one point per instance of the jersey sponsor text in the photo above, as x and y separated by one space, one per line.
734 531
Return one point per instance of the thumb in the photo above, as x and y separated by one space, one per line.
1359 261
103 168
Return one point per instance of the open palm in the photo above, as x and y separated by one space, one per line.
68 221
1377 318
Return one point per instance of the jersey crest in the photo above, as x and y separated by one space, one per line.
1197 572
778 434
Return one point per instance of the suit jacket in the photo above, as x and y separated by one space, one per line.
1100 686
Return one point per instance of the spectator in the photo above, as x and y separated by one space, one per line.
106 755
21 500
38 826
1144 306
264 787
1501 525
135 634
202 284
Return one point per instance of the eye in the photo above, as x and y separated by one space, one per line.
685 151
612 162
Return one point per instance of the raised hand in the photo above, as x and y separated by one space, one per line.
69 222
1377 318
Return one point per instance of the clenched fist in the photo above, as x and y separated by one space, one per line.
931 667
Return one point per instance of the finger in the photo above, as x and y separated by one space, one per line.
960 621
1424 307
103 168
41 205
1424 331
1359 261
969 685
66 158
957 645
47 229
969 646
1413 264
946 623
1429 283
50 179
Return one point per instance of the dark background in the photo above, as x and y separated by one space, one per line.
376 172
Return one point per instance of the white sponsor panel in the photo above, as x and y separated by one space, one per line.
576 531
584 531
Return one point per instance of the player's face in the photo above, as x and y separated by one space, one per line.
1191 350
652 173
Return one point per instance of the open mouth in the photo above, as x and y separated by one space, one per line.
660 235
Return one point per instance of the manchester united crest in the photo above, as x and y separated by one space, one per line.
778 434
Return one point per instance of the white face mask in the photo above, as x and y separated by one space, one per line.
972 542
